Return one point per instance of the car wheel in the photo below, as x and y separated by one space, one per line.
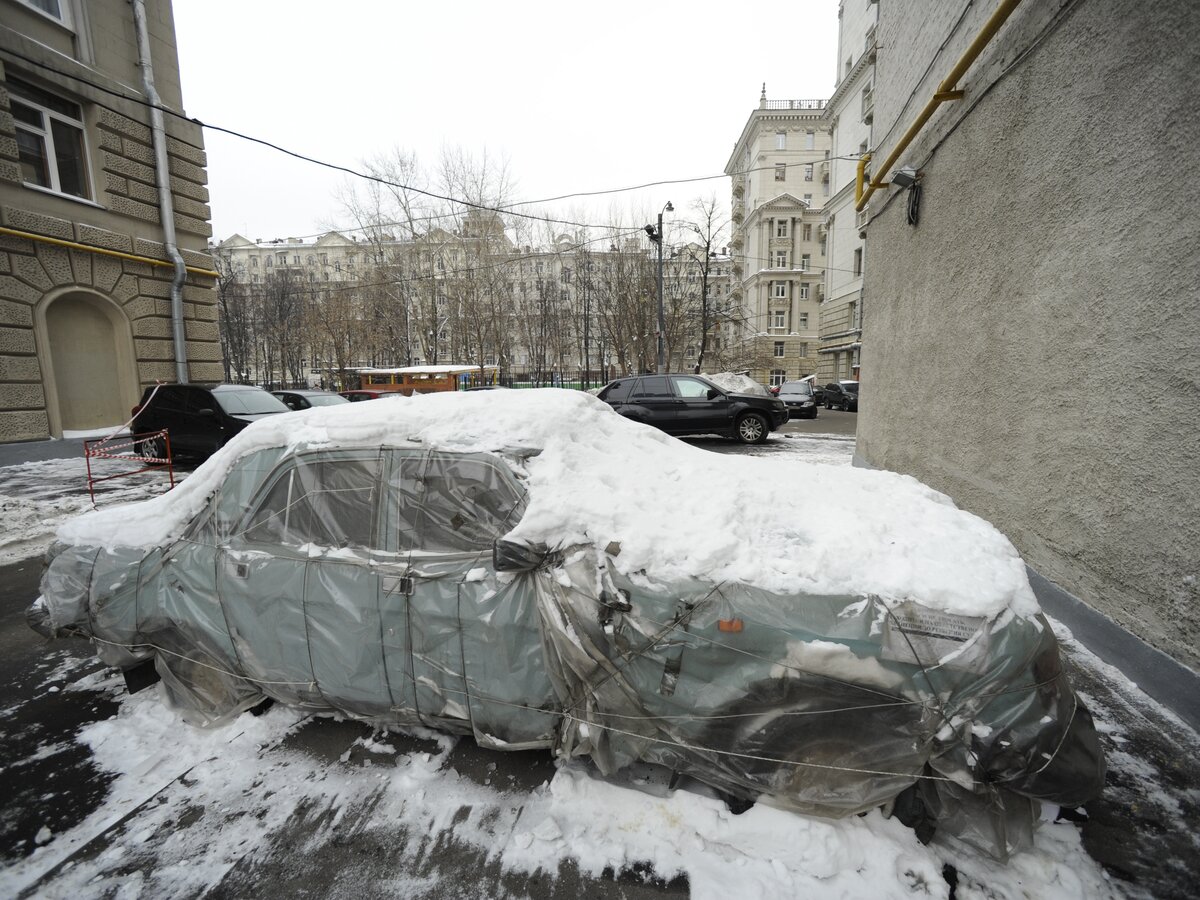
154 447
815 767
752 429
202 689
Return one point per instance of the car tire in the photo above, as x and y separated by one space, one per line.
154 447
752 428
814 767
204 692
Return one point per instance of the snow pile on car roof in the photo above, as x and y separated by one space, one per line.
737 383
675 510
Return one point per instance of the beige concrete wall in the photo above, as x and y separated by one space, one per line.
1034 343
121 214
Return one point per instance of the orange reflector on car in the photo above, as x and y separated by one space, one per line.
734 625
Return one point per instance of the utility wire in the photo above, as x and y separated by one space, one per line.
507 208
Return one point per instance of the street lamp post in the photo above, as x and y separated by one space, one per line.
656 235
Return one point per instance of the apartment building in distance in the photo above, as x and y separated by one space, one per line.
780 178
96 195
850 114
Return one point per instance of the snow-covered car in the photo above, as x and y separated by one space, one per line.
528 568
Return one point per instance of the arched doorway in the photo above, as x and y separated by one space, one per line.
87 362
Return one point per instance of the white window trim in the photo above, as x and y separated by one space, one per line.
64 20
47 136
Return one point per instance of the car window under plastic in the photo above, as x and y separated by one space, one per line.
324 502
449 503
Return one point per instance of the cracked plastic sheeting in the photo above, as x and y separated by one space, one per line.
362 581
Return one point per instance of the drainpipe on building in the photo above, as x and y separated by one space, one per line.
162 175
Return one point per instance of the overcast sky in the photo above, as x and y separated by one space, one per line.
576 97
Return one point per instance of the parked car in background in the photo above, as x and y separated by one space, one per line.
359 396
799 399
818 394
199 419
554 577
691 404
842 395
306 399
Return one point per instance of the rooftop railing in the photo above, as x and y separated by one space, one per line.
794 104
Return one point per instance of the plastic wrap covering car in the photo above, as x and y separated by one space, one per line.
377 582
824 705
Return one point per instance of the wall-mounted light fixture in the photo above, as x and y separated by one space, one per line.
905 177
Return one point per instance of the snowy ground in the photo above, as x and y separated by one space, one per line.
272 800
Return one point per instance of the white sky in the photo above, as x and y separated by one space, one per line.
565 92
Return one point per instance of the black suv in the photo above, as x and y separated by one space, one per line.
842 395
798 395
199 419
689 404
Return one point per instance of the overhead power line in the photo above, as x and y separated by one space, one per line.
507 209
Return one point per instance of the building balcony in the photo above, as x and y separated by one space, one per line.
794 104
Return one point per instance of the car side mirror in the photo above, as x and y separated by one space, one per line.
713 393
508 556
292 404
206 411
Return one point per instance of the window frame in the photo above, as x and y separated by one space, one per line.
18 90
65 16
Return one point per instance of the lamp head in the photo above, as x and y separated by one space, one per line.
905 177
668 207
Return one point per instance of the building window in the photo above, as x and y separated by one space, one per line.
781 140
851 314
802 351
50 144
337 267
802 320
804 291
295 259
781 259
565 277
858 261
270 261
779 319
778 377
254 262
810 140
808 172
779 349
564 296
540 265
806 233
780 172
781 228
805 259
779 290
808 199
55 9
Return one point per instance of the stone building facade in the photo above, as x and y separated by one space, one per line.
85 280
780 178
850 114
1049 291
